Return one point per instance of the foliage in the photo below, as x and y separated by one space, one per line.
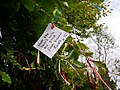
104 73
105 49
5 77
23 21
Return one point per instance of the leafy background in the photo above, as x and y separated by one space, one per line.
23 21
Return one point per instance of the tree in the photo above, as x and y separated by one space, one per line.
105 50
105 43
23 21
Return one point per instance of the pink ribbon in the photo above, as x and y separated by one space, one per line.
65 79
96 73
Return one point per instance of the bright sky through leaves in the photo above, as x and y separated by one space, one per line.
113 22
113 19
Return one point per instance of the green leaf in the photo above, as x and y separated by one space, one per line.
47 5
88 54
15 26
101 67
33 53
66 28
66 4
33 65
77 63
63 21
70 54
99 64
10 52
73 55
28 4
5 77
96 1
19 66
83 46
102 71
69 48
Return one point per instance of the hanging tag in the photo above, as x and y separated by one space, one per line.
51 40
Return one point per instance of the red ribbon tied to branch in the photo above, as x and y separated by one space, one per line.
96 73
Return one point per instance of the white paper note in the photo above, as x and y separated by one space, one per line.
51 40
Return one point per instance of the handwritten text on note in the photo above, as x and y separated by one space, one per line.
51 40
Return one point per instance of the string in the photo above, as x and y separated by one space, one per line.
57 15
96 73
0 33
100 9
38 58
63 77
